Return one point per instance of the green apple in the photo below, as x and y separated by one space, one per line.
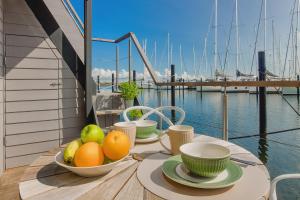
92 133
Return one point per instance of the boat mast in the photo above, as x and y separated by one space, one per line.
265 26
296 40
216 35
181 64
168 46
205 54
237 34
194 61
273 45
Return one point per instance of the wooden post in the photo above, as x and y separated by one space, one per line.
129 60
201 86
173 92
262 95
256 88
117 67
112 82
148 84
183 88
134 76
98 84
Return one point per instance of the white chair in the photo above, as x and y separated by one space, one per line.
273 195
156 111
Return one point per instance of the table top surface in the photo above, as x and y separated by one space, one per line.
44 179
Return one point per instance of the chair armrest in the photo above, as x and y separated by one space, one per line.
273 195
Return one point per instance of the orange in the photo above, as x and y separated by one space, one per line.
116 145
88 155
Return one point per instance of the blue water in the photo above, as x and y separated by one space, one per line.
280 152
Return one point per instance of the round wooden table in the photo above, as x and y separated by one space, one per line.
45 180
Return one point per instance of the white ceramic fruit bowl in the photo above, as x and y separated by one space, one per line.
87 171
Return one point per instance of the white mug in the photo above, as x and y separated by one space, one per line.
178 135
128 128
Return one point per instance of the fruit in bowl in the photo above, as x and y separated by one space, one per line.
116 145
88 155
92 133
97 157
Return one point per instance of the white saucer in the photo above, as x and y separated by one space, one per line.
153 137
184 173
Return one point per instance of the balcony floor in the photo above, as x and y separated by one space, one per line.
9 183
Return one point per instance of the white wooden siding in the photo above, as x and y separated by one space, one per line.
44 102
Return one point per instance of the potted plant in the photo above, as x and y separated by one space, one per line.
129 91
134 115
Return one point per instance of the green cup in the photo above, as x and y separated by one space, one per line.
145 128
205 159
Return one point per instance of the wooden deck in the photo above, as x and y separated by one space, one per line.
9 183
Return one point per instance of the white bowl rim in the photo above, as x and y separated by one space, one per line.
73 167
145 123
181 149
124 124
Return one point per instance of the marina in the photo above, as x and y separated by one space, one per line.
156 100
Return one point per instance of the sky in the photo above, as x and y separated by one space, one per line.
188 22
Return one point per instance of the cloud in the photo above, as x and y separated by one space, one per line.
105 74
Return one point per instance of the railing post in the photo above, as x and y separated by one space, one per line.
262 95
298 89
173 92
225 114
159 102
117 67
98 84
129 59
112 82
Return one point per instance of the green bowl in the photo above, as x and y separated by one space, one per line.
145 128
205 159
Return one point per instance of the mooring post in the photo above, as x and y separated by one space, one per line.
112 82
148 84
201 85
173 91
256 88
134 76
225 114
183 88
98 84
262 95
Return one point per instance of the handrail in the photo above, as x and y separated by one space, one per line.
139 48
283 83
74 15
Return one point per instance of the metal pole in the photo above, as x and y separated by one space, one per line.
225 115
129 60
98 84
117 67
298 78
159 101
134 76
88 55
173 91
112 82
262 95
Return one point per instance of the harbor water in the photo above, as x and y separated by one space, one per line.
279 151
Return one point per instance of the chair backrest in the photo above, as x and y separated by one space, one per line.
156 111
